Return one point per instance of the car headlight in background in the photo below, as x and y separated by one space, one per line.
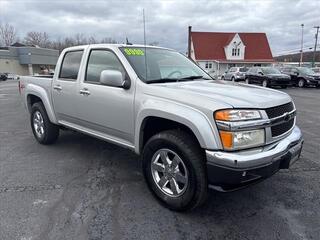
234 140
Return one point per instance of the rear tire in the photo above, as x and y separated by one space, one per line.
43 130
181 186
233 79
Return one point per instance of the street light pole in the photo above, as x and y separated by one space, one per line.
315 46
301 51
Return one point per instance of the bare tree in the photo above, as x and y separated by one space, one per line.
80 39
40 39
8 34
108 40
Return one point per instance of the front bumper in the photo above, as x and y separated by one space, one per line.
232 170
278 82
313 82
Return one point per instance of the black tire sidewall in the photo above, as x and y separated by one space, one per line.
51 131
180 203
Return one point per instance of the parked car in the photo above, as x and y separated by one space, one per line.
316 69
267 77
191 131
11 76
302 76
3 76
235 74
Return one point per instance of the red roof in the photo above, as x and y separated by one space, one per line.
210 46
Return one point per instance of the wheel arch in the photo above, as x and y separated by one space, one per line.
151 121
35 94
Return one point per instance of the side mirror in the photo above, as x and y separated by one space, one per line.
296 73
113 78
261 73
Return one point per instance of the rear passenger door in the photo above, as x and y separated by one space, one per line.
106 110
64 86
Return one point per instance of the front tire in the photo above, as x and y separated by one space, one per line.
174 168
265 83
301 83
43 130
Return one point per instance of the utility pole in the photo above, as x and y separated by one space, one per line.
315 46
301 51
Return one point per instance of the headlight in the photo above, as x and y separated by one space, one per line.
237 115
243 139
234 140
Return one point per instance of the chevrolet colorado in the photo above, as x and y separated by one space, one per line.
192 132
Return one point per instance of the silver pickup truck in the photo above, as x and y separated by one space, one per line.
192 132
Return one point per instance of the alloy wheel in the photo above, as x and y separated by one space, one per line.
38 124
169 172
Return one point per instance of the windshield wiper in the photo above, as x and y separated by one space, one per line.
194 77
163 80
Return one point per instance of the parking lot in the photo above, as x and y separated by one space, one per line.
84 188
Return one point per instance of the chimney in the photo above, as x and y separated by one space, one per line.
189 41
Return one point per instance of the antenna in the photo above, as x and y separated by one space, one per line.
144 41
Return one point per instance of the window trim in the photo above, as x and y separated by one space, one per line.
126 78
61 66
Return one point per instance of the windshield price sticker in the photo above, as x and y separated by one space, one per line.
134 51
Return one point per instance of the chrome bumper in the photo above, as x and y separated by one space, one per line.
259 157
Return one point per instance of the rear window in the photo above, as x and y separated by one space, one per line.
70 65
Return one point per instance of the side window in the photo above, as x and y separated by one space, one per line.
100 60
70 65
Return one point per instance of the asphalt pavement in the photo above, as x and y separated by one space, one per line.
84 188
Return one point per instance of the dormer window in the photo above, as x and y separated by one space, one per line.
235 52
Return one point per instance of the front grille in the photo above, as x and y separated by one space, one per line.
279 110
282 128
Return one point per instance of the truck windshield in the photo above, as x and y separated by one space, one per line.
155 65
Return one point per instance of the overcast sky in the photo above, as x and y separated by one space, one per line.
167 21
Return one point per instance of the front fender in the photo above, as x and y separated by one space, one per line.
40 92
192 118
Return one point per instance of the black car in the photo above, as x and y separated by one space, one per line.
3 76
267 77
302 76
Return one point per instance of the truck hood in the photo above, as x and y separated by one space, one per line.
237 95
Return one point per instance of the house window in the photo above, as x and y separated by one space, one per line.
238 52
210 65
207 65
233 51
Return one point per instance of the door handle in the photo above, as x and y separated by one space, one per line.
57 87
84 92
